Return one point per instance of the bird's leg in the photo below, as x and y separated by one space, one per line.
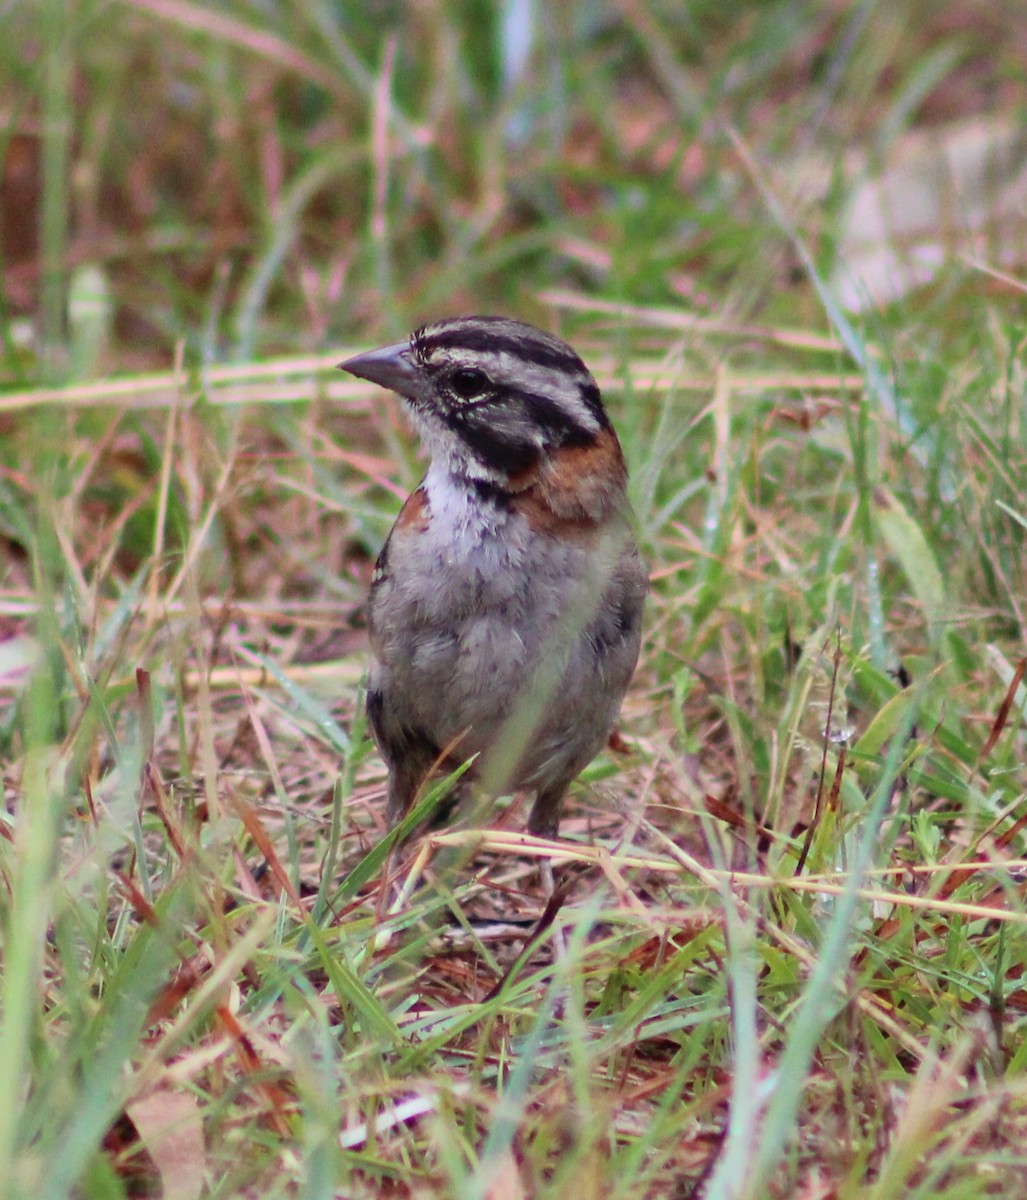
544 818
544 821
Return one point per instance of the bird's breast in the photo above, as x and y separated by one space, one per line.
452 556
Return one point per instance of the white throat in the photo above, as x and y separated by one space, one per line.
457 507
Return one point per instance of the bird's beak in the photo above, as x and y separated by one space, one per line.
390 367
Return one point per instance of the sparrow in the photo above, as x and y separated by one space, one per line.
506 606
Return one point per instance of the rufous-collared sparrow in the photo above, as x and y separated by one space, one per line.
506 605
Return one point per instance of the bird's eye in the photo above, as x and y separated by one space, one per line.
468 382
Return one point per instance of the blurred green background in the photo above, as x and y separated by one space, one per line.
250 179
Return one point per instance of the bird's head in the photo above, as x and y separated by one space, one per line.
492 399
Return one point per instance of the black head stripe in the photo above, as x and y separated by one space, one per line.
553 417
499 453
593 401
537 353
498 335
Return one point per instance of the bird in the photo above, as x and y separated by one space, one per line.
505 608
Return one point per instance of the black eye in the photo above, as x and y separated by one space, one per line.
468 382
